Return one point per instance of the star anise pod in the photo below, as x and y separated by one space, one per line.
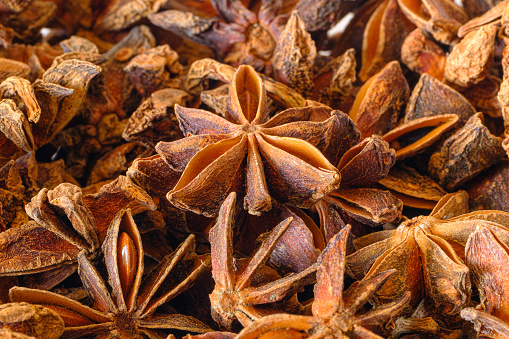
69 223
384 34
467 65
246 289
422 55
412 188
432 97
235 30
336 313
441 19
296 250
30 320
248 152
487 256
357 201
417 135
380 100
32 114
21 179
490 190
128 308
243 36
459 158
427 252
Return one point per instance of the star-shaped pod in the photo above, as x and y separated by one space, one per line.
260 157
428 253
246 290
336 314
126 309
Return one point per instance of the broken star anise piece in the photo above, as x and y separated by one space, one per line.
128 309
248 152
427 252
412 188
246 290
380 100
335 313
432 97
442 19
487 256
31 320
422 55
417 135
465 154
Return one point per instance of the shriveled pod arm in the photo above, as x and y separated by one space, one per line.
317 176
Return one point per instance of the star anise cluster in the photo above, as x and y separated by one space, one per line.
254 169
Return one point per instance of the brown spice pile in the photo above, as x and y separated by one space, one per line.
238 169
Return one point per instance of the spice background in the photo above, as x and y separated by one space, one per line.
227 169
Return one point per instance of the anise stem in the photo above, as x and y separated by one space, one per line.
127 259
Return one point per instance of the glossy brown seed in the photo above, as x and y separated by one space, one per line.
127 259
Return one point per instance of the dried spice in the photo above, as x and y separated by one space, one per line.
154 69
380 100
296 250
235 33
356 200
66 223
294 56
91 91
412 188
431 245
20 180
216 146
432 97
31 320
441 18
50 106
422 55
334 310
489 191
334 83
486 255
129 310
422 328
484 96
465 154
152 121
205 69
385 32
417 135
465 67
246 290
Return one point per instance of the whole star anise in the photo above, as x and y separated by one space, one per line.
336 314
248 152
246 290
427 252
127 309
